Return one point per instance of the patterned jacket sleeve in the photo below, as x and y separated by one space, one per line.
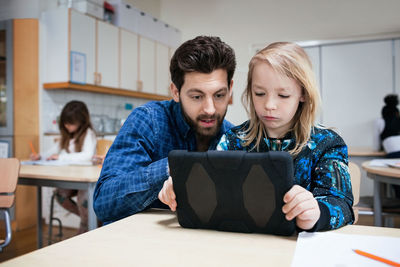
130 179
331 185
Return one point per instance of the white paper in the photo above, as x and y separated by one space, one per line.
56 163
334 249
383 162
78 67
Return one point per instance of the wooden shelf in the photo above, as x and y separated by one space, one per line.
103 90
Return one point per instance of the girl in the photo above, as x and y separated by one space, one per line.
388 131
77 144
282 100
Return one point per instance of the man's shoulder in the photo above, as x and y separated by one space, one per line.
152 109
226 126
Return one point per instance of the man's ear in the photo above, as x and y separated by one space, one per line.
174 92
230 89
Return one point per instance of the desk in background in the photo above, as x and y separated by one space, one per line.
358 155
68 177
154 238
380 175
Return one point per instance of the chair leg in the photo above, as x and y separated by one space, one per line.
8 228
51 218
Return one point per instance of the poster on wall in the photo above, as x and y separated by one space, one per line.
78 67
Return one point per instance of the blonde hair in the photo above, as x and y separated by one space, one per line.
290 60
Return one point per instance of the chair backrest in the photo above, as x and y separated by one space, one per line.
8 181
102 146
355 176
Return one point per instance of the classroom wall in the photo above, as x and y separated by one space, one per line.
247 24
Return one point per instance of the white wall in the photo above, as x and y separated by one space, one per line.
244 23
21 9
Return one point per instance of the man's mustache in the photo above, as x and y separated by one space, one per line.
205 117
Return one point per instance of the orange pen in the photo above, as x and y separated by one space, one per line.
377 258
32 148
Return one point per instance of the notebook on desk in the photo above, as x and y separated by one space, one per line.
232 190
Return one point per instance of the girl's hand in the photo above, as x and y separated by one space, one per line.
167 194
53 157
301 204
34 156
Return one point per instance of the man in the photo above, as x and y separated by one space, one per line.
136 165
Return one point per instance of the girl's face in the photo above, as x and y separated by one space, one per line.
276 99
71 128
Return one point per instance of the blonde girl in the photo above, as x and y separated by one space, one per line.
282 100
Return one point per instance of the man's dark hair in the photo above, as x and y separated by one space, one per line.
202 54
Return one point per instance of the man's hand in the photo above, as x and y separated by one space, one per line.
167 194
301 204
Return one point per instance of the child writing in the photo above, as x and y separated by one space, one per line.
77 144
282 100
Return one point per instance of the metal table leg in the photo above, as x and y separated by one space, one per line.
39 216
92 219
377 203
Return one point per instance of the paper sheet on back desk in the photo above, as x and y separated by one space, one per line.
331 249
56 163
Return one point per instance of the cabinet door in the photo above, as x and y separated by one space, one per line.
83 41
129 60
107 54
162 73
147 68
355 79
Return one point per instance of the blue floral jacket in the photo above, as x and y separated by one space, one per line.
320 167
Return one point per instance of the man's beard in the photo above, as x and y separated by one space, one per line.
203 133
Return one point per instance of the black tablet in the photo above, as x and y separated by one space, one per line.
232 190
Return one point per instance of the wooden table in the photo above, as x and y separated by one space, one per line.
380 175
68 177
365 152
154 238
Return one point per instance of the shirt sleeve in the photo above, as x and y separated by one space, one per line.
87 152
331 186
131 178
222 144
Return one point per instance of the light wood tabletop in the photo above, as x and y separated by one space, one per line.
66 173
154 238
384 171
365 152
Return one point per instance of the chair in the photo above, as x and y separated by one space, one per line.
102 147
8 182
355 177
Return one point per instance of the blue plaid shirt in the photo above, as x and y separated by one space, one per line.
136 165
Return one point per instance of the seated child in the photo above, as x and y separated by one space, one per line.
282 99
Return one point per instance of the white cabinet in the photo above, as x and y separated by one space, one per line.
162 70
107 55
83 40
129 60
84 53
147 64
355 79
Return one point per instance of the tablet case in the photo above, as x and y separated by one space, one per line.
232 190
